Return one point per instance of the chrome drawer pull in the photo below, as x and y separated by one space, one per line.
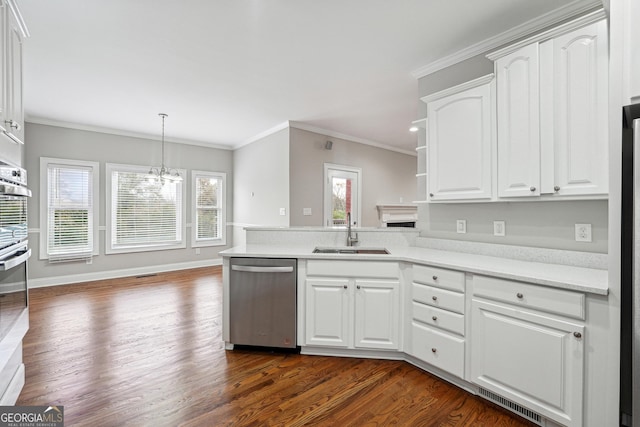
435 277
435 298
577 334
519 295
435 318
433 350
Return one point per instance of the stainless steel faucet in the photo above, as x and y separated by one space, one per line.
351 241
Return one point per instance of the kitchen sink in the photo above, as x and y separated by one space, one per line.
369 251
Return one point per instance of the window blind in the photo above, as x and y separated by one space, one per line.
146 212
69 212
208 198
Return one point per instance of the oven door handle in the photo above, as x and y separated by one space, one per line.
16 259
8 189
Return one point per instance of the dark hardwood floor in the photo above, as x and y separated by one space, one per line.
148 351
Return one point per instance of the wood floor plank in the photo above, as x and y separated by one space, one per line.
148 351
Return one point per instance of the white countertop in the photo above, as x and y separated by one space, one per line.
582 279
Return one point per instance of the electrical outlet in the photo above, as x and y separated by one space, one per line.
461 226
499 228
306 211
583 233
283 211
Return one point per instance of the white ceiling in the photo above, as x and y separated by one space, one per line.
228 70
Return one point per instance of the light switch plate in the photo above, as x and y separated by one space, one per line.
306 211
461 226
583 233
499 228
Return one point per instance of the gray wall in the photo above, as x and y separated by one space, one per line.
64 143
388 176
261 184
539 224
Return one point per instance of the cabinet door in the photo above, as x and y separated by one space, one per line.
14 121
460 131
518 123
580 63
531 359
327 312
377 323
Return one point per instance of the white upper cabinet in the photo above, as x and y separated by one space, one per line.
552 112
577 96
12 32
460 140
518 123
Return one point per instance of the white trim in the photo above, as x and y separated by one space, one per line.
118 132
590 18
537 24
333 134
222 240
125 272
459 88
243 224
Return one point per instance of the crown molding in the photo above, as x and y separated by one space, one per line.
334 134
459 88
15 10
266 133
119 132
580 22
574 8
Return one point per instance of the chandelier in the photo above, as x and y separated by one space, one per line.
164 173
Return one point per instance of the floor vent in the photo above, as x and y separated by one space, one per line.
506 403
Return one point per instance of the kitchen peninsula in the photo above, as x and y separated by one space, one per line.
511 326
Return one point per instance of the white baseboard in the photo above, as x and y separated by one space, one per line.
113 274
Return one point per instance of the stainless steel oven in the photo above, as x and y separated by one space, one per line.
14 245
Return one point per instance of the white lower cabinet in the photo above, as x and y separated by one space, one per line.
359 310
437 318
527 356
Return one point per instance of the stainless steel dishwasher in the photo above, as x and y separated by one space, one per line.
262 302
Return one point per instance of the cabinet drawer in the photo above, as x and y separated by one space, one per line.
551 300
438 348
365 269
443 319
440 298
447 279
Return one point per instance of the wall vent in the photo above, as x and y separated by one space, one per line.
512 406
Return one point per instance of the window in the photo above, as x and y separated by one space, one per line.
342 195
209 222
143 213
68 221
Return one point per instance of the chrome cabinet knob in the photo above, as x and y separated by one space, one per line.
435 318
433 350
556 188
519 295
532 189
358 287
430 194
577 334
344 286
434 277
435 298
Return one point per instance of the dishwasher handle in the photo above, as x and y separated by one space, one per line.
257 269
